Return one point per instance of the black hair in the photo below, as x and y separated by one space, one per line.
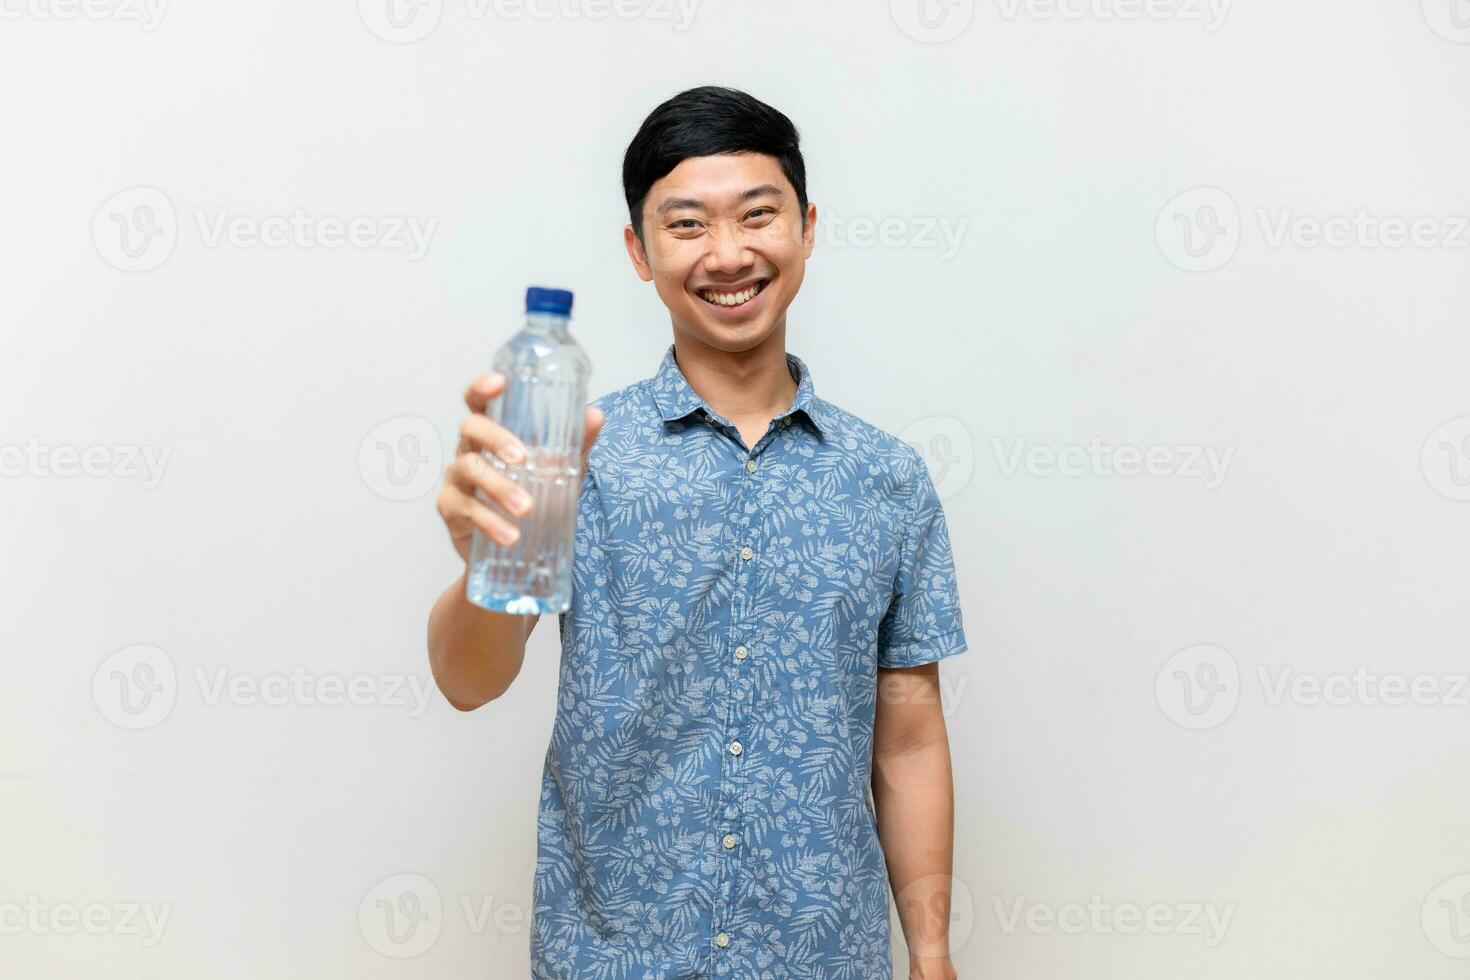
702 122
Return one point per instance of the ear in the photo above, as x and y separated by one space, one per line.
809 237
636 253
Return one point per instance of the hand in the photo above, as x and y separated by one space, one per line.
462 510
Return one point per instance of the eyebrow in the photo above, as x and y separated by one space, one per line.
676 203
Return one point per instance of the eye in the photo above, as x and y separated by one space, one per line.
760 213
684 225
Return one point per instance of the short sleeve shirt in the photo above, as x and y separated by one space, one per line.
705 808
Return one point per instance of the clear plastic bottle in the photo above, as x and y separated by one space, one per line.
544 404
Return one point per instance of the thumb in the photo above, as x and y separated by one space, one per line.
594 419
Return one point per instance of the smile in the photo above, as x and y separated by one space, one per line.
730 299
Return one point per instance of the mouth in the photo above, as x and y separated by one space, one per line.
741 299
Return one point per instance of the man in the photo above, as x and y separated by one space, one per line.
749 747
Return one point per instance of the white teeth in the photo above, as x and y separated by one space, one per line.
730 299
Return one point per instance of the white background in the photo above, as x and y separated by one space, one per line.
1088 769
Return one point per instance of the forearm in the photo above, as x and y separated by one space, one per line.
913 796
474 653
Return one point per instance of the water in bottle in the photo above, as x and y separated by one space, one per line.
544 404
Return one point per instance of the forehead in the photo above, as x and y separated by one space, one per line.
719 180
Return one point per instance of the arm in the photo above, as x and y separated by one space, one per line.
474 653
913 796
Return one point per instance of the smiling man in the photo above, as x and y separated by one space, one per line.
749 749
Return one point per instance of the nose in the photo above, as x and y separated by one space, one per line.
728 254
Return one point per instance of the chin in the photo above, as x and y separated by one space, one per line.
729 337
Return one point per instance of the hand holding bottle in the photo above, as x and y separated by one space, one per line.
460 507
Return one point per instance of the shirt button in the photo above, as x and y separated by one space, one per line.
736 748
741 653
750 466
722 939
747 553
729 841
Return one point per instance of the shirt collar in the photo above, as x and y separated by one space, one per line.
675 399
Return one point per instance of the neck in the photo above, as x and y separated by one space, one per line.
747 384
547 324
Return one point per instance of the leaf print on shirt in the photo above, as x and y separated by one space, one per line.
709 765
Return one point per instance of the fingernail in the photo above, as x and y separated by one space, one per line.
513 453
520 500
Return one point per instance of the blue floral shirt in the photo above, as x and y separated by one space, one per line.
705 809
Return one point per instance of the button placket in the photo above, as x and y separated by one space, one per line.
741 604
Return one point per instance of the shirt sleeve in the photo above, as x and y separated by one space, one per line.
923 622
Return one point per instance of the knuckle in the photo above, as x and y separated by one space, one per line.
479 470
445 502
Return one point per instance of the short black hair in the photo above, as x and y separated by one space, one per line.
702 122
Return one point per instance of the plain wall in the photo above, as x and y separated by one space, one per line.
1047 237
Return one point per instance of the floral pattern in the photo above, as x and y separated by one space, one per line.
705 809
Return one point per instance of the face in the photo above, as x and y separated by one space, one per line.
724 246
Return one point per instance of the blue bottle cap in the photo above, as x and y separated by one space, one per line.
541 299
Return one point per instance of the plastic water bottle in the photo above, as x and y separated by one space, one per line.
544 404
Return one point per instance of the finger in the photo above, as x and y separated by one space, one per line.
488 521
595 418
479 433
482 389
460 509
471 473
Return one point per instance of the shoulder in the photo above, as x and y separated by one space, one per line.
629 409
621 400
629 416
898 465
